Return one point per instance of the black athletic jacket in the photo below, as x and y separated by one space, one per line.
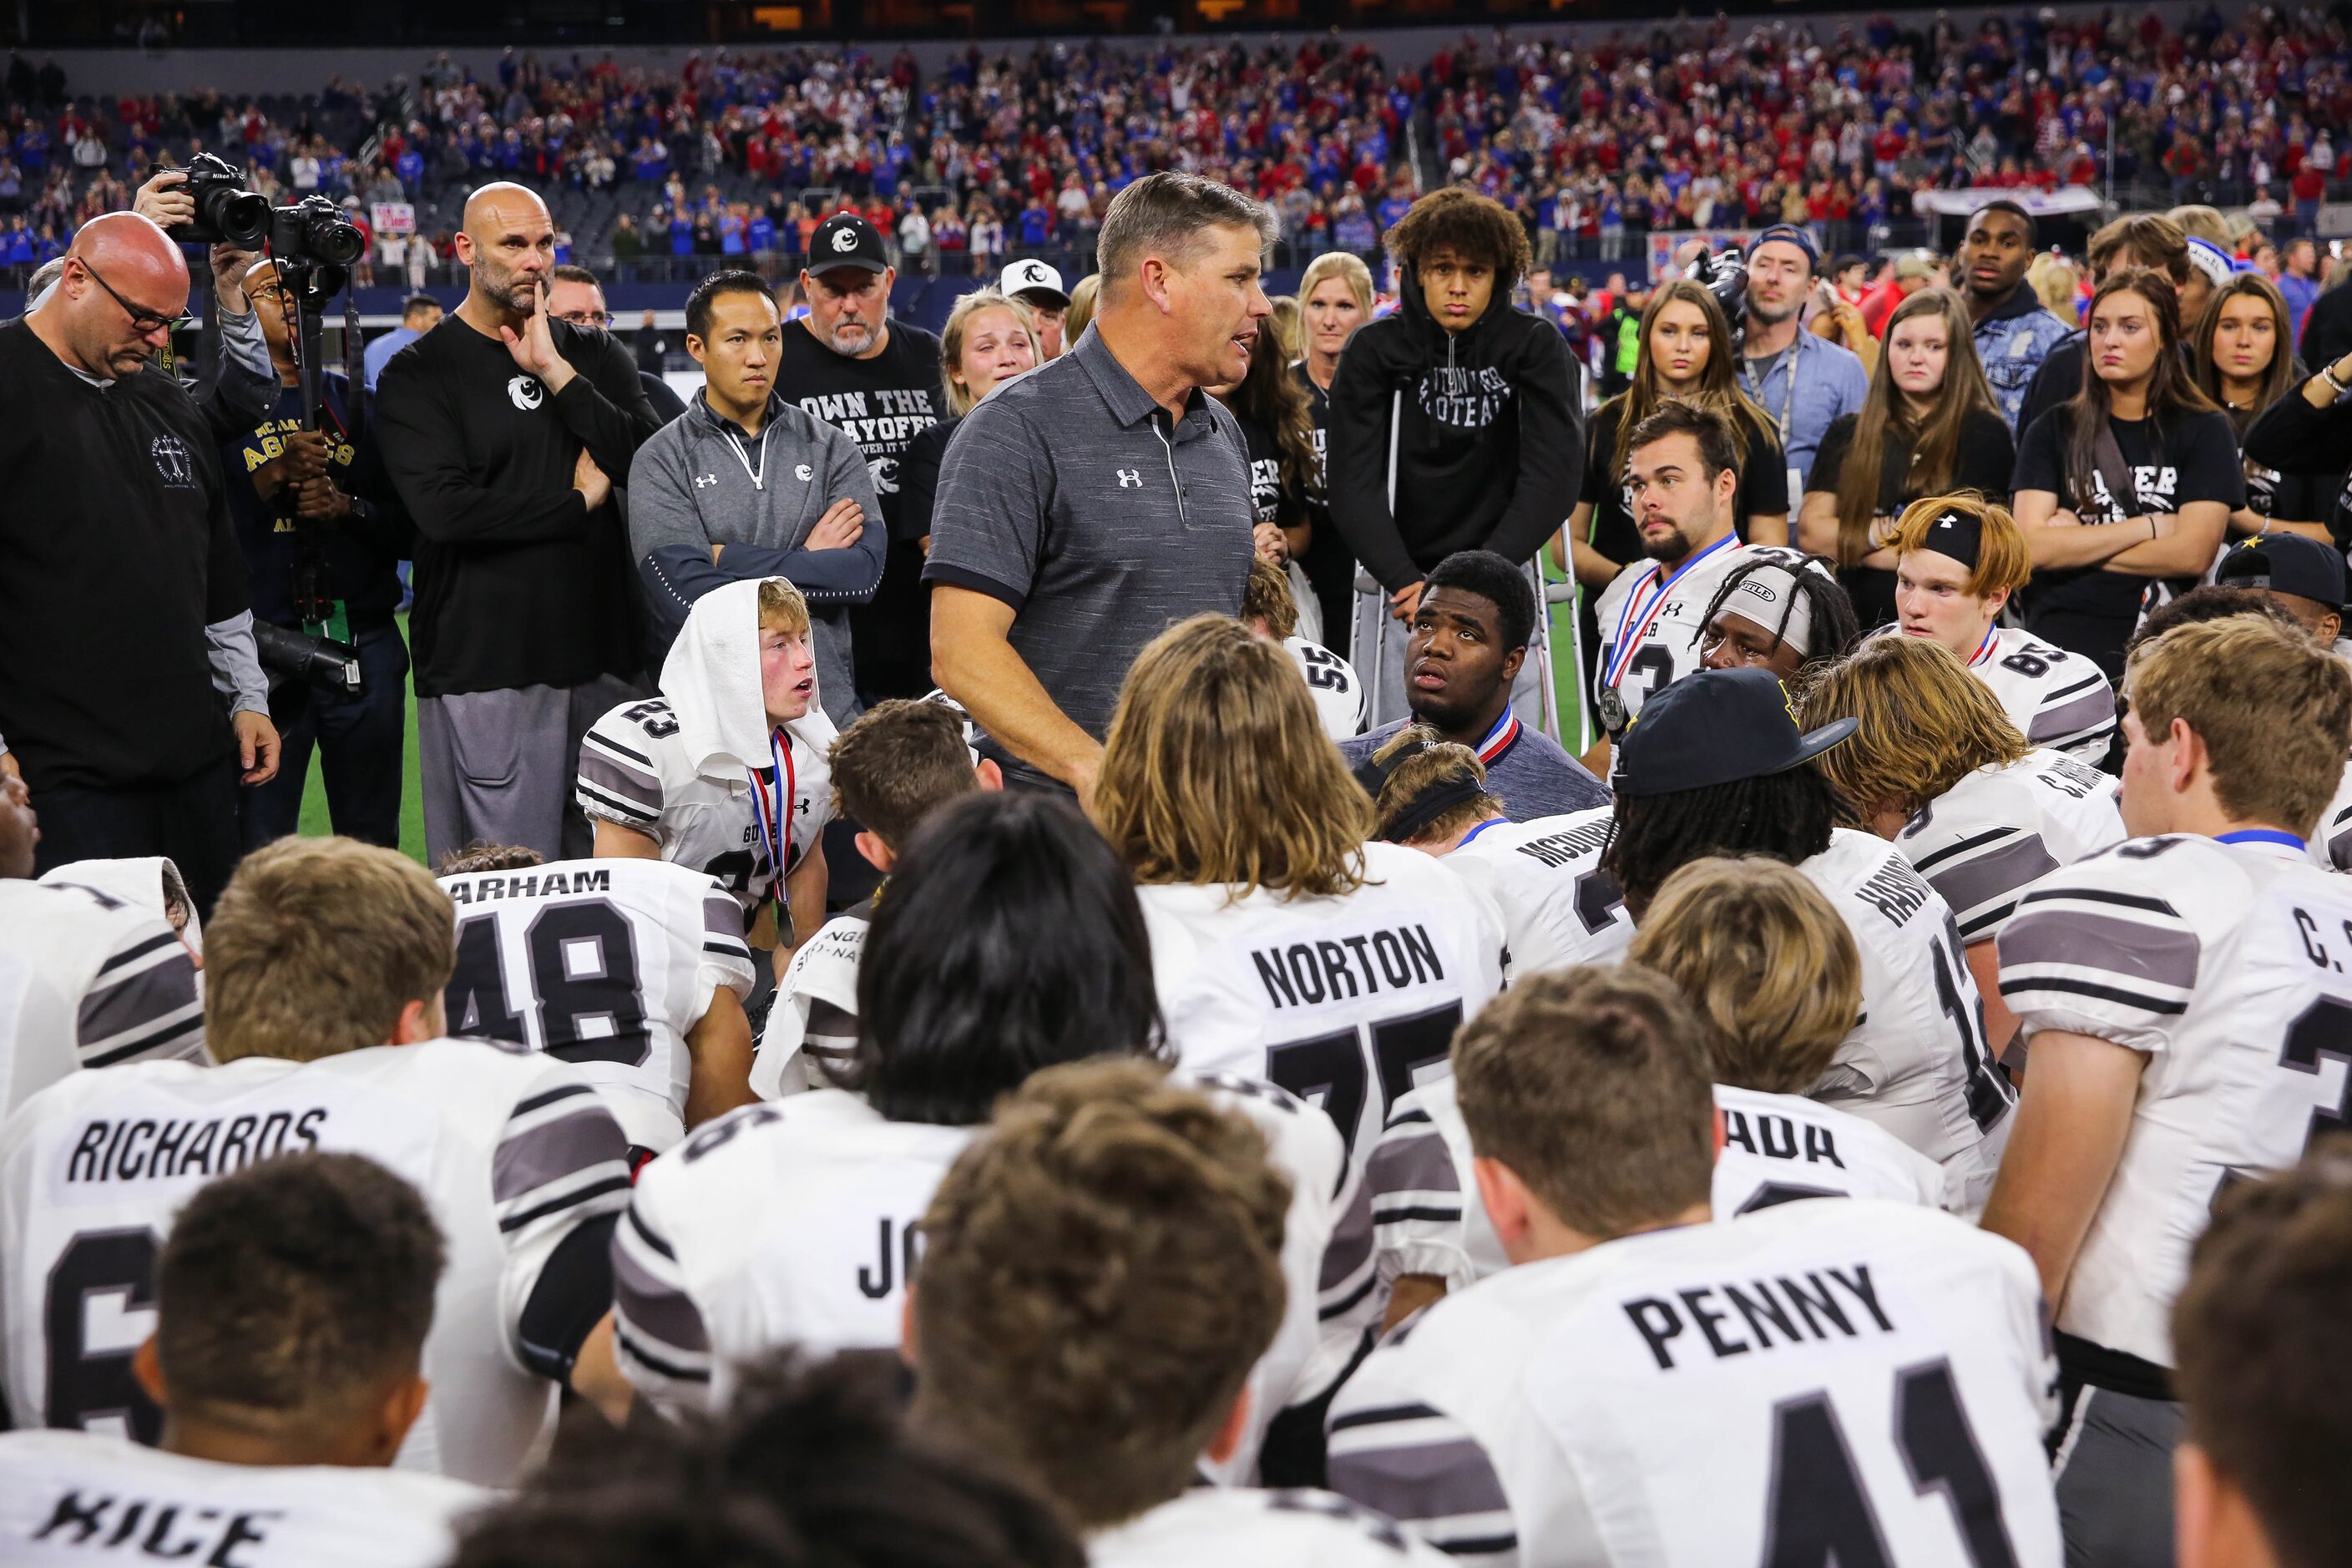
1489 451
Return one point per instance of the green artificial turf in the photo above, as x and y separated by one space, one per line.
411 802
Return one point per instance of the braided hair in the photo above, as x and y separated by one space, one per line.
1788 815
1836 628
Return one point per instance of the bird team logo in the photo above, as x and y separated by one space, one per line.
845 239
1130 479
525 393
802 472
884 472
173 462
1032 272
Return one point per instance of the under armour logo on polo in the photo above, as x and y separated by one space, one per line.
1130 479
702 480
845 239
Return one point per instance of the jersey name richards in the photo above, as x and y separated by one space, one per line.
606 964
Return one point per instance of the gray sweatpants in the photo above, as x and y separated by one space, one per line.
498 766
2114 1478
1377 650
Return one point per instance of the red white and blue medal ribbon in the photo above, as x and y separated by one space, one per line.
775 820
1499 739
1985 649
1635 620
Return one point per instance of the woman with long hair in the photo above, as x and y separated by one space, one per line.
1335 297
1929 427
1278 432
2125 490
989 337
1284 946
1685 353
2244 354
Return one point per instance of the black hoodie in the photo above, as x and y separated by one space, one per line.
1488 449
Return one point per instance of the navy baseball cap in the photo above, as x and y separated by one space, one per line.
1717 727
2286 563
845 239
1789 233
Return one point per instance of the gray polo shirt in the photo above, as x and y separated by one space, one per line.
1067 495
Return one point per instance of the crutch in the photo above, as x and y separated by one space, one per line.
1539 649
1372 600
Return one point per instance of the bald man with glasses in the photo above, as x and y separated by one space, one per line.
130 692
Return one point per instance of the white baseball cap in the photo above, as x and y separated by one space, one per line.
1033 277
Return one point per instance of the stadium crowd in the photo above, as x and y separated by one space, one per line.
1832 1048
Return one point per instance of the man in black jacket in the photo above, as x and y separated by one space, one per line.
1452 422
503 429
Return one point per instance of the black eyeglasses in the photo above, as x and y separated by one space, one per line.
141 321
586 317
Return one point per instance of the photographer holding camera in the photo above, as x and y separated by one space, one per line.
123 618
323 533
237 388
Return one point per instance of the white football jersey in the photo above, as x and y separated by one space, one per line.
1857 1382
513 1151
1777 1148
633 771
88 979
70 1498
1981 841
1664 646
1916 1064
797 1222
1331 680
811 1030
1558 907
605 964
1346 1001
1235 1526
2226 966
2056 699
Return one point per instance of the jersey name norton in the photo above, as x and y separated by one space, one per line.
1916 1064
1858 1383
606 964
2056 699
1346 1001
798 1221
512 1152
2229 966
1776 1149
1667 648
1245 1528
74 1498
1981 841
811 1029
1558 907
1331 680
633 771
95 982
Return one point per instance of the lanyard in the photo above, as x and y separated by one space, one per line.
2262 836
759 475
1620 652
776 824
1985 648
1501 738
1796 353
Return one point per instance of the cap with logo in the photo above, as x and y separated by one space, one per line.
2286 563
1717 727
1024 279
845 239
1788 234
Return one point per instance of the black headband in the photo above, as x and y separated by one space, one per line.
1956 534
1430 804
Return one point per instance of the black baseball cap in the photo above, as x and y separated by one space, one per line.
2286 563
845 239
1717 727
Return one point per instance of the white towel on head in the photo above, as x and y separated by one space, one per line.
149 883
712 681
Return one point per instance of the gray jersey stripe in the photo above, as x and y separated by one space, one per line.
1996 873
636 1350
617 778
590 795
142 1002
656 1308
552 1151
137 948
1421 1482
176 1039
1415 1164
2136 952
722 917
1351 1246
2077 716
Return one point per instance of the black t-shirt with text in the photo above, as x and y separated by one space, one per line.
1983 462
1329 565
883 403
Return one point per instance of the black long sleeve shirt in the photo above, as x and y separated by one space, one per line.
517 582
116 551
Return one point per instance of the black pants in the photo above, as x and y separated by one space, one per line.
193 822
359 740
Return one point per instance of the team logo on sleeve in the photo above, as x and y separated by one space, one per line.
525 393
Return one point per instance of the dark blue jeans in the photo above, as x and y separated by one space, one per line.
360 743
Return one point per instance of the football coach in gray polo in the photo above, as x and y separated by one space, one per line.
1086 506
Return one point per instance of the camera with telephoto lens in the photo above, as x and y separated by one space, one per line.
226 213
322 661
1724 274
315 230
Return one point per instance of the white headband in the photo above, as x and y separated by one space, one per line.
1765 595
